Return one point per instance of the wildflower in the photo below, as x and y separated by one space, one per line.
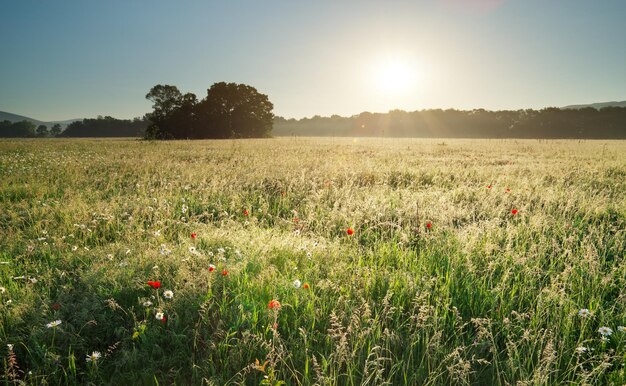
93 357
621 328
147 303
53 323
507 190
245 212
159 316
489 187
33 280
168 294
429 225
224 272
221 250
581 349
605 331
192 250
2 290
584 313
273 305
305 286
211 268
350 231
74 248
514 212
164 319
297 283
56 306
193 236
184 209
605 339
10 346
295 219
154 284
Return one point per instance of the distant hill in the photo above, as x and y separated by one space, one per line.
597 105
4 116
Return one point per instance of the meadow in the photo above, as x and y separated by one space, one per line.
313 261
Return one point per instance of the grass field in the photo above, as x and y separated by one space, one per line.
494 262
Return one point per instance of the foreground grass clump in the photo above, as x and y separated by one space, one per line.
313 261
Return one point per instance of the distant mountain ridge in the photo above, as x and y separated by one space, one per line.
597 105
4 116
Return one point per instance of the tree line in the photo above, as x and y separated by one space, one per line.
106 127
606 123
89 127
239 111
27 129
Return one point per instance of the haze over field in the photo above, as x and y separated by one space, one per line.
84 59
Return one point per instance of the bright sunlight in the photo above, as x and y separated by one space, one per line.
395 75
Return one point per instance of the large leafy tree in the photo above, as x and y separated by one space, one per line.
55 130
230 110
42 130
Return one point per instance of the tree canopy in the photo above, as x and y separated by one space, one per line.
229 110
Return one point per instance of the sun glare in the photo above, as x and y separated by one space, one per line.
395 76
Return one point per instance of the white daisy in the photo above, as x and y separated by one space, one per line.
93 357
605 331
168 294
297 283
147 303
2 290
54 323
621 328
581 349
159 316
584 313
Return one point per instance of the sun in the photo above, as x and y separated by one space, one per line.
395 76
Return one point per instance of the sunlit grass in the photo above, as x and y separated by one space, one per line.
523 236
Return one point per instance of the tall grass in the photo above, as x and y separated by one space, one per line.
441 283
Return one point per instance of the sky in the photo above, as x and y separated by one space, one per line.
84 58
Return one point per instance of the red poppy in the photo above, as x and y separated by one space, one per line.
350 231
305 286
164 320
295 219
245 212
154 284
224 272
489 187
193 235
508 190
282 194
56 306
211 268
514 212
429 225
273 304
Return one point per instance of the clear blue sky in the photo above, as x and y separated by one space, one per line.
74 59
